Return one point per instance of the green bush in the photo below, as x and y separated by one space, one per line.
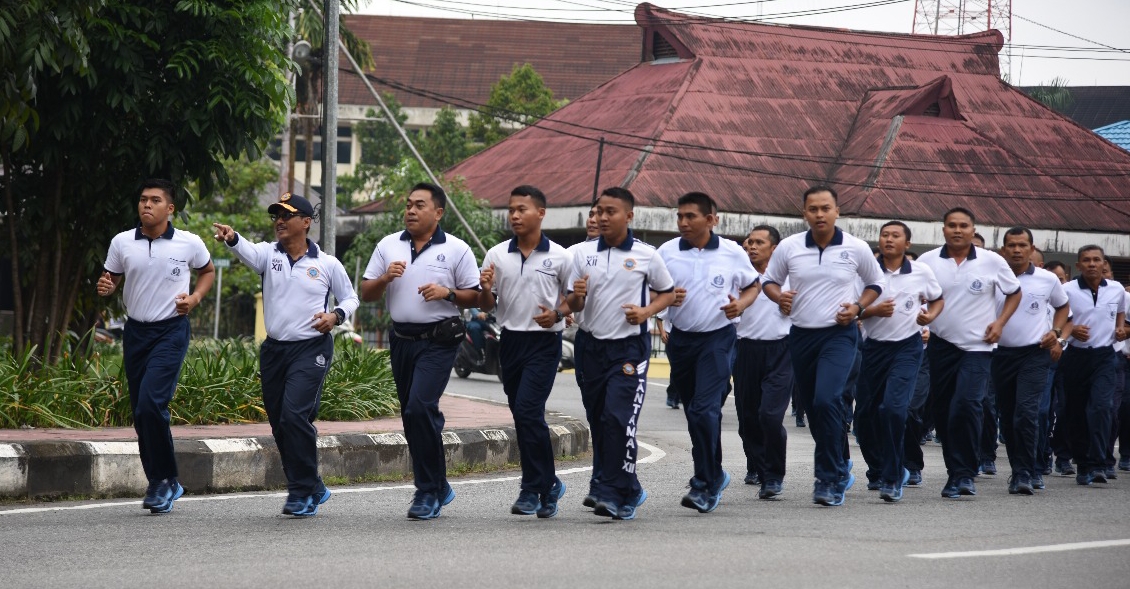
219 384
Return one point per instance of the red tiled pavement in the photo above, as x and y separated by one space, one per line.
459 413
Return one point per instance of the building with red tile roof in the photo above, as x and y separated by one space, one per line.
903 126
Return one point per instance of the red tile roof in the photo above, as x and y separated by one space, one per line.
903 126
464 58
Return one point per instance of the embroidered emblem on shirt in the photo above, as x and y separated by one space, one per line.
718 280
440 258
591 260
547 263
844 255
276 265
977 285
629 369
312 272
320 360
909 304
630 264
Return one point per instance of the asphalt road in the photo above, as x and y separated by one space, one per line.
361 537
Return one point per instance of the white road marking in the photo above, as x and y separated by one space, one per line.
655 455
1024 550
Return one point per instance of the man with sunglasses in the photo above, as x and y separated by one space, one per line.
296 356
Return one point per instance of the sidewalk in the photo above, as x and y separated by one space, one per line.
218 458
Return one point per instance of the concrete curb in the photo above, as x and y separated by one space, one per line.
113 468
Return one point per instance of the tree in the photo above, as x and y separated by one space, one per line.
382 149
122 91
1054 94
445 143
515 101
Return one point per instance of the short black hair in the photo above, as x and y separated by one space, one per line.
820 188
911 255
702 200
1052 265
905 229
439 197
963 211
166 185
774 235
530 191
1091 247
1018 230
622 194
980 237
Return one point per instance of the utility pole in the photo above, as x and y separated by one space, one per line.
332 25
960 17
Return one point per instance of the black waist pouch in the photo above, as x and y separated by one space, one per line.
449 331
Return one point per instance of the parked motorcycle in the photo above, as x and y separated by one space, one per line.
468 359
567 356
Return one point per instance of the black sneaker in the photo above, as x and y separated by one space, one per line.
1124 463
1064 468
151 500
800 421
914 479
527 504
770 489
1038 481
1098 475
950 490
1110 473
1020 484
167 492
965 486
752 478
989 467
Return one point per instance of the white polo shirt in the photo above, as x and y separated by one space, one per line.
293 291
156 270
1096 310
1042 294
968 289
618 276
578 316
521 283
763 320
710 275
822 278
445 260
911 284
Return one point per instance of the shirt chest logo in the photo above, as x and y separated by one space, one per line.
630 264
276 265
844 256
908 305
976 286
718 281
590 261
441 258
547 264
312 273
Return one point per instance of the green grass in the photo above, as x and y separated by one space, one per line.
219 383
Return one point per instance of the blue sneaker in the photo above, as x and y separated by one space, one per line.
169 491
706 500
965 486
527 503
770 489
628 510
428 505
548 507
950 490
1083 479
296 505
915 478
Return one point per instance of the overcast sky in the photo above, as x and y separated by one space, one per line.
1086 47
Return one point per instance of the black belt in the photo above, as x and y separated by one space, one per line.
413 338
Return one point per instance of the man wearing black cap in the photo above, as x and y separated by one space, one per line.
296 355
155 261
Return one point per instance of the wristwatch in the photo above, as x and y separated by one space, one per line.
861 309
340 315
1062 342
450 296
559 316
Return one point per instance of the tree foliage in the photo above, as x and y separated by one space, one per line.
121 91
1054 94
515 101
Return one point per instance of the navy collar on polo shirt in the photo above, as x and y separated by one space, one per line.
437 237
625 245
1084 286
837 238
711 244
904 268
543 244
168 234
1030 270
945 253
311 250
